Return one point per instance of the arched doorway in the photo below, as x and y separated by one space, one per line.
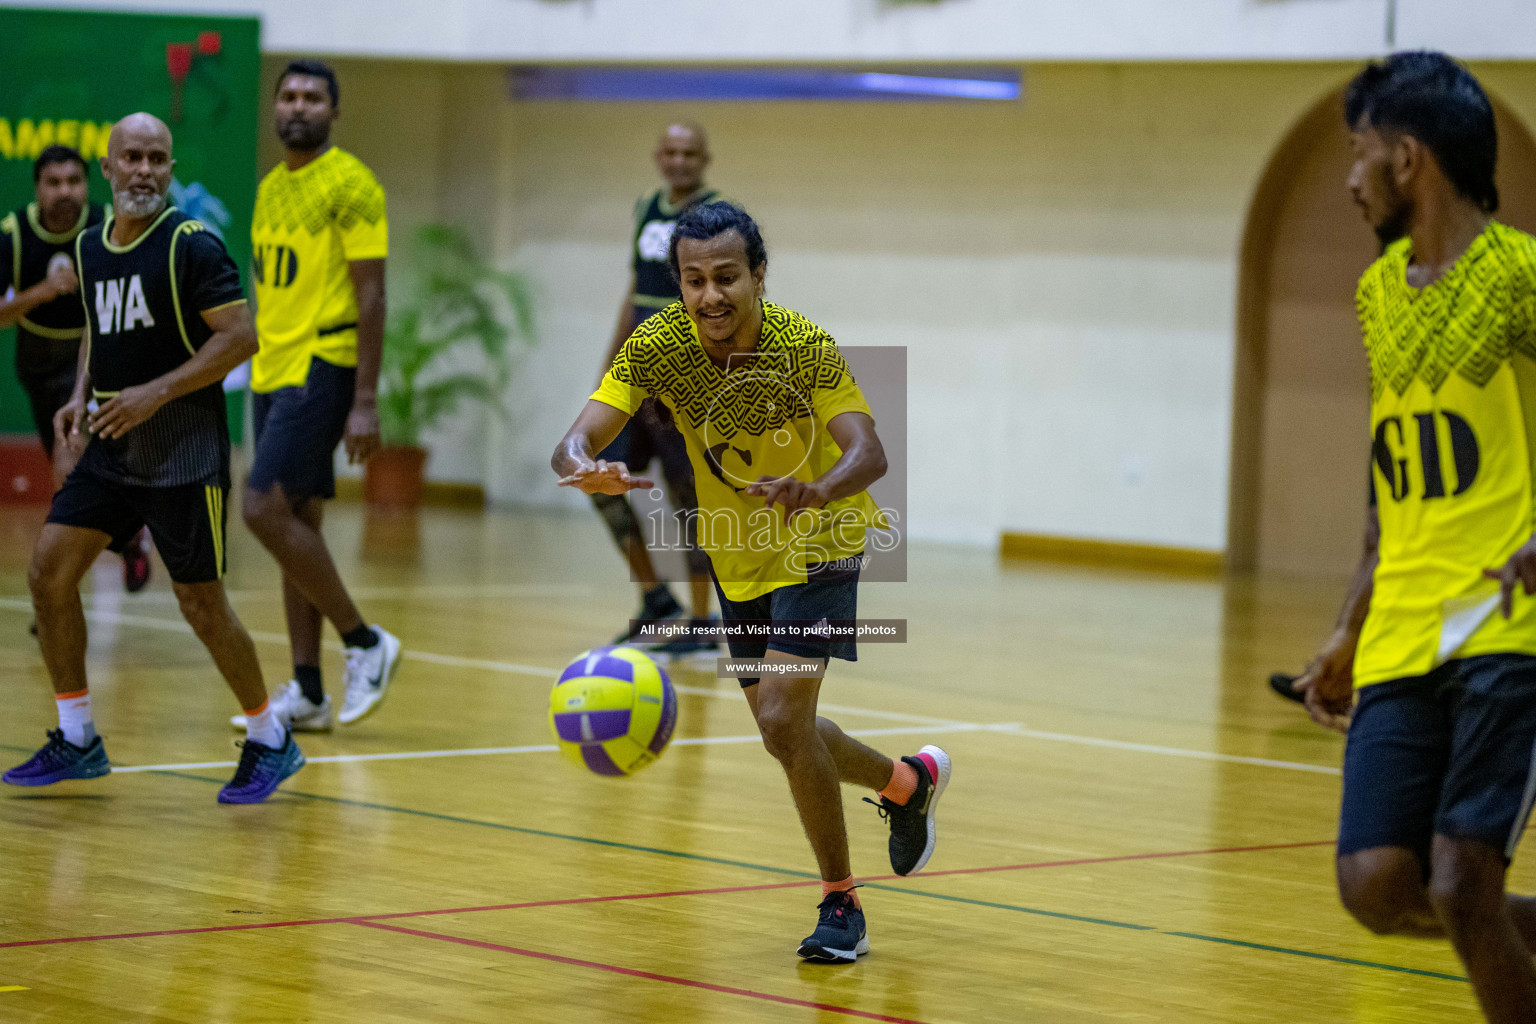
1300 439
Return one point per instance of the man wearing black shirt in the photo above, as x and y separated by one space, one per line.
37 268
166 320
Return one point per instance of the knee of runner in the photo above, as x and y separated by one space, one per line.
783 731
203 609
263 510
46 580
1371 887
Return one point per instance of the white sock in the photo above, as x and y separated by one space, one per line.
75 717
263 727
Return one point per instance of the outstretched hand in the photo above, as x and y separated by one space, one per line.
602 477
1521 569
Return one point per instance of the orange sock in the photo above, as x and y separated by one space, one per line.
846 885
902 785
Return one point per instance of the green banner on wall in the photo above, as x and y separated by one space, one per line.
66 76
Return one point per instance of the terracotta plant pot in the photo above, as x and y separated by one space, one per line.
394 477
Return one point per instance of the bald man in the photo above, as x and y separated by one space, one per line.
166 320
682 155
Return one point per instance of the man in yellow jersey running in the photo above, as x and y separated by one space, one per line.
1440 769
320 237
682 155
771 417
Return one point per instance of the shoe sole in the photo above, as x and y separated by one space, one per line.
48 780
248 799
389 677
941 783
823 955
238 724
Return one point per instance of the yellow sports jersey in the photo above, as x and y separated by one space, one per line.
308 225
1453 410
766 417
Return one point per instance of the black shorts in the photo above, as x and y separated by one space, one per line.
831 592
186 522
297 430
47 395
1450 753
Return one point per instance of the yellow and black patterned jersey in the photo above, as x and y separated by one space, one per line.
1453 410
766 417
308 225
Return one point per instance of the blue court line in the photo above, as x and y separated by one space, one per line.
590 840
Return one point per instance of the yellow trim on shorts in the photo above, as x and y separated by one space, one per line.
215 499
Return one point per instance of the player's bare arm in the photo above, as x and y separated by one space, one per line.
232 343
862 463
596 427
71 415
362 434
1329 681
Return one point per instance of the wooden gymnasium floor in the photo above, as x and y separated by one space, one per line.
1137 829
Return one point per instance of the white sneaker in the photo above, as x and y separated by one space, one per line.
295 710
369 671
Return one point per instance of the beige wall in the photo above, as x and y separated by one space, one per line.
1063 270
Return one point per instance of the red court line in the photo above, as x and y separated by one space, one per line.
647 975
623 897
175 931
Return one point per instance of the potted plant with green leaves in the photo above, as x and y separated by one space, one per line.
451 344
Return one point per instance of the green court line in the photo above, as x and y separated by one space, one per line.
1011 906
1318 956
590 840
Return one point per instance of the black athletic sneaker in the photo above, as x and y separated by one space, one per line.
913 829
839 937
60 759
658 605
1283 683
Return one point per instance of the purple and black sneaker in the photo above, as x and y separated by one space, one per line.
60 759
262 769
